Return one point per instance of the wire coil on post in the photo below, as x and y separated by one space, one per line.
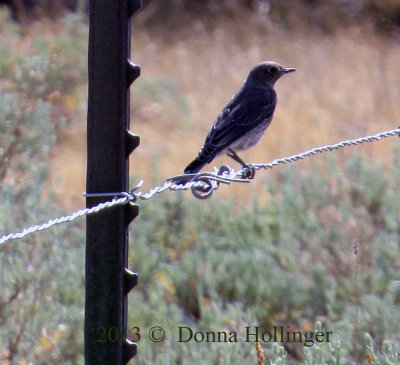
205 190
203 184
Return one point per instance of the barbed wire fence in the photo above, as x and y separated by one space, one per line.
202 184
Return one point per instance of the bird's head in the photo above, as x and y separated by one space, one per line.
267 73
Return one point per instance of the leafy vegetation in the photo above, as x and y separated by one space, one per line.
290 261
41 279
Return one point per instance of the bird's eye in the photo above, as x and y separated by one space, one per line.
272 70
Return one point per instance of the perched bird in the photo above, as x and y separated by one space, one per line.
244 119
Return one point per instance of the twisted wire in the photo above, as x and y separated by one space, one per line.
327 148
63 219
202 184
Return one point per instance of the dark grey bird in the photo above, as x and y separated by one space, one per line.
244 119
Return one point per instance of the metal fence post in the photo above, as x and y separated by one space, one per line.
109 144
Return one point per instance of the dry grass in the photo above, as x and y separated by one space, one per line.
346 85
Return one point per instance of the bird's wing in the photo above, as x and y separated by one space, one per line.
244 112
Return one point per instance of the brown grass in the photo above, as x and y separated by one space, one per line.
346 86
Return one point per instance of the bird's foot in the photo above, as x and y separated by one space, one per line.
248 172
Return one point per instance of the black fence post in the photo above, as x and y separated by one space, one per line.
109 144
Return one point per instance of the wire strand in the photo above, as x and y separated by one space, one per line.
202 184
63 219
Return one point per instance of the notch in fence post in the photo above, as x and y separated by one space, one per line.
108 280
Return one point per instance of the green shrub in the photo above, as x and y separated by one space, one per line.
286 262
41 277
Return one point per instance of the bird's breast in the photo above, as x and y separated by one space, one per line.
250 138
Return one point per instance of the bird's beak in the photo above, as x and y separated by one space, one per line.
287 70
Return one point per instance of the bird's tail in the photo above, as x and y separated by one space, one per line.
194 166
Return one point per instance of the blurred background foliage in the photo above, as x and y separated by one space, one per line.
311 246
325 14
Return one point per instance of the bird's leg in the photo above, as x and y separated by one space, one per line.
231 153
250 171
